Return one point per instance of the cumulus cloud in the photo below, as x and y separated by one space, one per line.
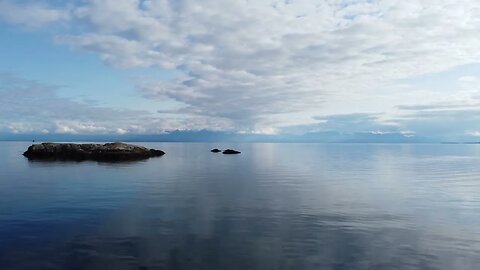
262 65
32 14
462 94
28 106
252 62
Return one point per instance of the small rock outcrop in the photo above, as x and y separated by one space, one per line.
231 152
215 150
109 152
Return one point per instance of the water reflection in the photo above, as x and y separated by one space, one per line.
293 206
88 163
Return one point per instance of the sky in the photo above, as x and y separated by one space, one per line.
333 70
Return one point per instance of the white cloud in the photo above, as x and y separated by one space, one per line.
24 127
474 133
28 106
468 79
31 14
247 62
258 66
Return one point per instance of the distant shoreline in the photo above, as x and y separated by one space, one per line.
213 142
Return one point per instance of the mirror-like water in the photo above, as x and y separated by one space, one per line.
275 206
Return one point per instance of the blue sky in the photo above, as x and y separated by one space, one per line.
33 55
285 69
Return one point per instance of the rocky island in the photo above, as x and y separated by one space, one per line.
231 152
227 152
109 152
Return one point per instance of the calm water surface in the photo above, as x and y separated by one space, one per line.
275 206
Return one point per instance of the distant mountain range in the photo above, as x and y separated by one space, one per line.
214 136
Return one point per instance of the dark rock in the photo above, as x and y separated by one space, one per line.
99 152
215 150
230 152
